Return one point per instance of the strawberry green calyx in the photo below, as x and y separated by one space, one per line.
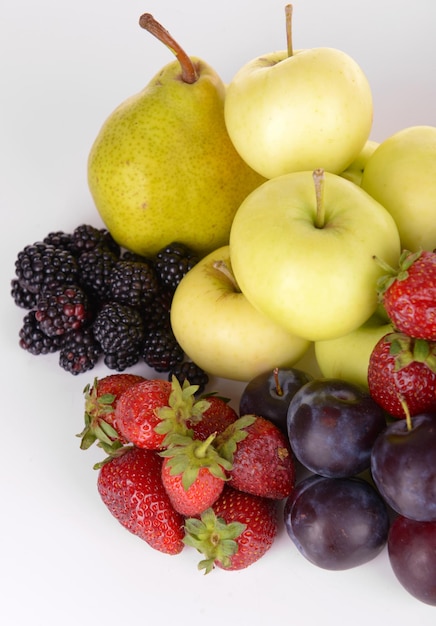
182 407
213 538
187 455
407 259
117 449
96 427
408 350
227 442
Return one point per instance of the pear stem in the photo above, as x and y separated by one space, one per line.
189 73
288 15
319 180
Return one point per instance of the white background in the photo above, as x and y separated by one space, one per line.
64 67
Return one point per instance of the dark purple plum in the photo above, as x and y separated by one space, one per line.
403 466
337 523
269 394
332 425
412 554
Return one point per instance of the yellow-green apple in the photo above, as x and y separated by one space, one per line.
347 357
306 250
401 175
221 331
354 171
300 112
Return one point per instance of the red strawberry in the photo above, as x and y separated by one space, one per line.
136 413
155 409
261 457
409 295
214 419
131 487
235 532
193 474
403 369
100 402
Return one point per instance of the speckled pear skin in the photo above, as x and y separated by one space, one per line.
163 168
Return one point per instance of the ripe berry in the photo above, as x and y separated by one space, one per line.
161 350
235 532
133 283
22 297
86 237
79 352
41 265
119 329
190 371
402 370
173 262
95 267
131 487
409 294
61 309
32 339
136 413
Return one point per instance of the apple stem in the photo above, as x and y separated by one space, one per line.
288 15
222 267
279 389
319 180
189 73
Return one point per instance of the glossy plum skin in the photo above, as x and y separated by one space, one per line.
412 554
403 467
336 523
332 426
270 393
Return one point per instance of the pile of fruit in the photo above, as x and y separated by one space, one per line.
264 223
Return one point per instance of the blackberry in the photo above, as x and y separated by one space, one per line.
95 268
190 371
62 309
32 339
173 262
119 329
41 265
86 237
22 297
59 239
122 360
161 350
157 311
133 283
80 351
128 255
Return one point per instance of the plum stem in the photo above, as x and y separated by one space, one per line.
279 389
319 180
288 15
407 413
148 23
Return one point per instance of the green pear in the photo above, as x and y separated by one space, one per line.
162 167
